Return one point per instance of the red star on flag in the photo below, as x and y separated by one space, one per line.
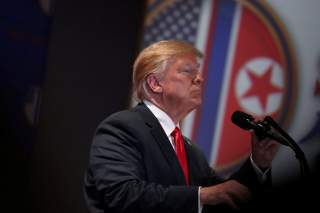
261 86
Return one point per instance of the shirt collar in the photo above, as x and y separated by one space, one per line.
165 121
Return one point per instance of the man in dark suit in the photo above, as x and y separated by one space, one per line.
140 162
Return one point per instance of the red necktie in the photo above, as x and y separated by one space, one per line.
181 152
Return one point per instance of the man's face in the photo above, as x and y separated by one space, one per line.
182 83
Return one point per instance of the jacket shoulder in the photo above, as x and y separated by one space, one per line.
124 117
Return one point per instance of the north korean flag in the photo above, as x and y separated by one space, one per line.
248 67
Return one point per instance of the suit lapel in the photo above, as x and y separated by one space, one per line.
161 138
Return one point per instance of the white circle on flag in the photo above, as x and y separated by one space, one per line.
260 85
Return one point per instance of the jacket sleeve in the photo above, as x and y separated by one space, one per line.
248 177
116 178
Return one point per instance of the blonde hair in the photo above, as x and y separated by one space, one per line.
155 59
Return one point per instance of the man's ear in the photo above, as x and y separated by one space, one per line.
154 84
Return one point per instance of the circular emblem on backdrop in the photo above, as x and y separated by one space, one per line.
249 66
260 86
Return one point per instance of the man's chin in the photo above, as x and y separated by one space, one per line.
196 103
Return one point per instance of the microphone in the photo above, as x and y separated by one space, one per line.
261 128
245 121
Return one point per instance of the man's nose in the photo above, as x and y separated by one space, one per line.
198 79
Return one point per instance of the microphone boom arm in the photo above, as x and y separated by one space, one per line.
304 167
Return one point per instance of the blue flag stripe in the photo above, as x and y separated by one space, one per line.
216 67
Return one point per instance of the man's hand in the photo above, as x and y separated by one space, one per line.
263 151
230 193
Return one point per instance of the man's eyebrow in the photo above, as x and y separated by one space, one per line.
190 64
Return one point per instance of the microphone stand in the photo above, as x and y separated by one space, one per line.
304 167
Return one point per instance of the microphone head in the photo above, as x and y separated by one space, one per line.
242 120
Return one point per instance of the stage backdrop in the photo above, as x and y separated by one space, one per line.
261 57
24 37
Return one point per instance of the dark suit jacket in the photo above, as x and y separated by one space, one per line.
133 168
